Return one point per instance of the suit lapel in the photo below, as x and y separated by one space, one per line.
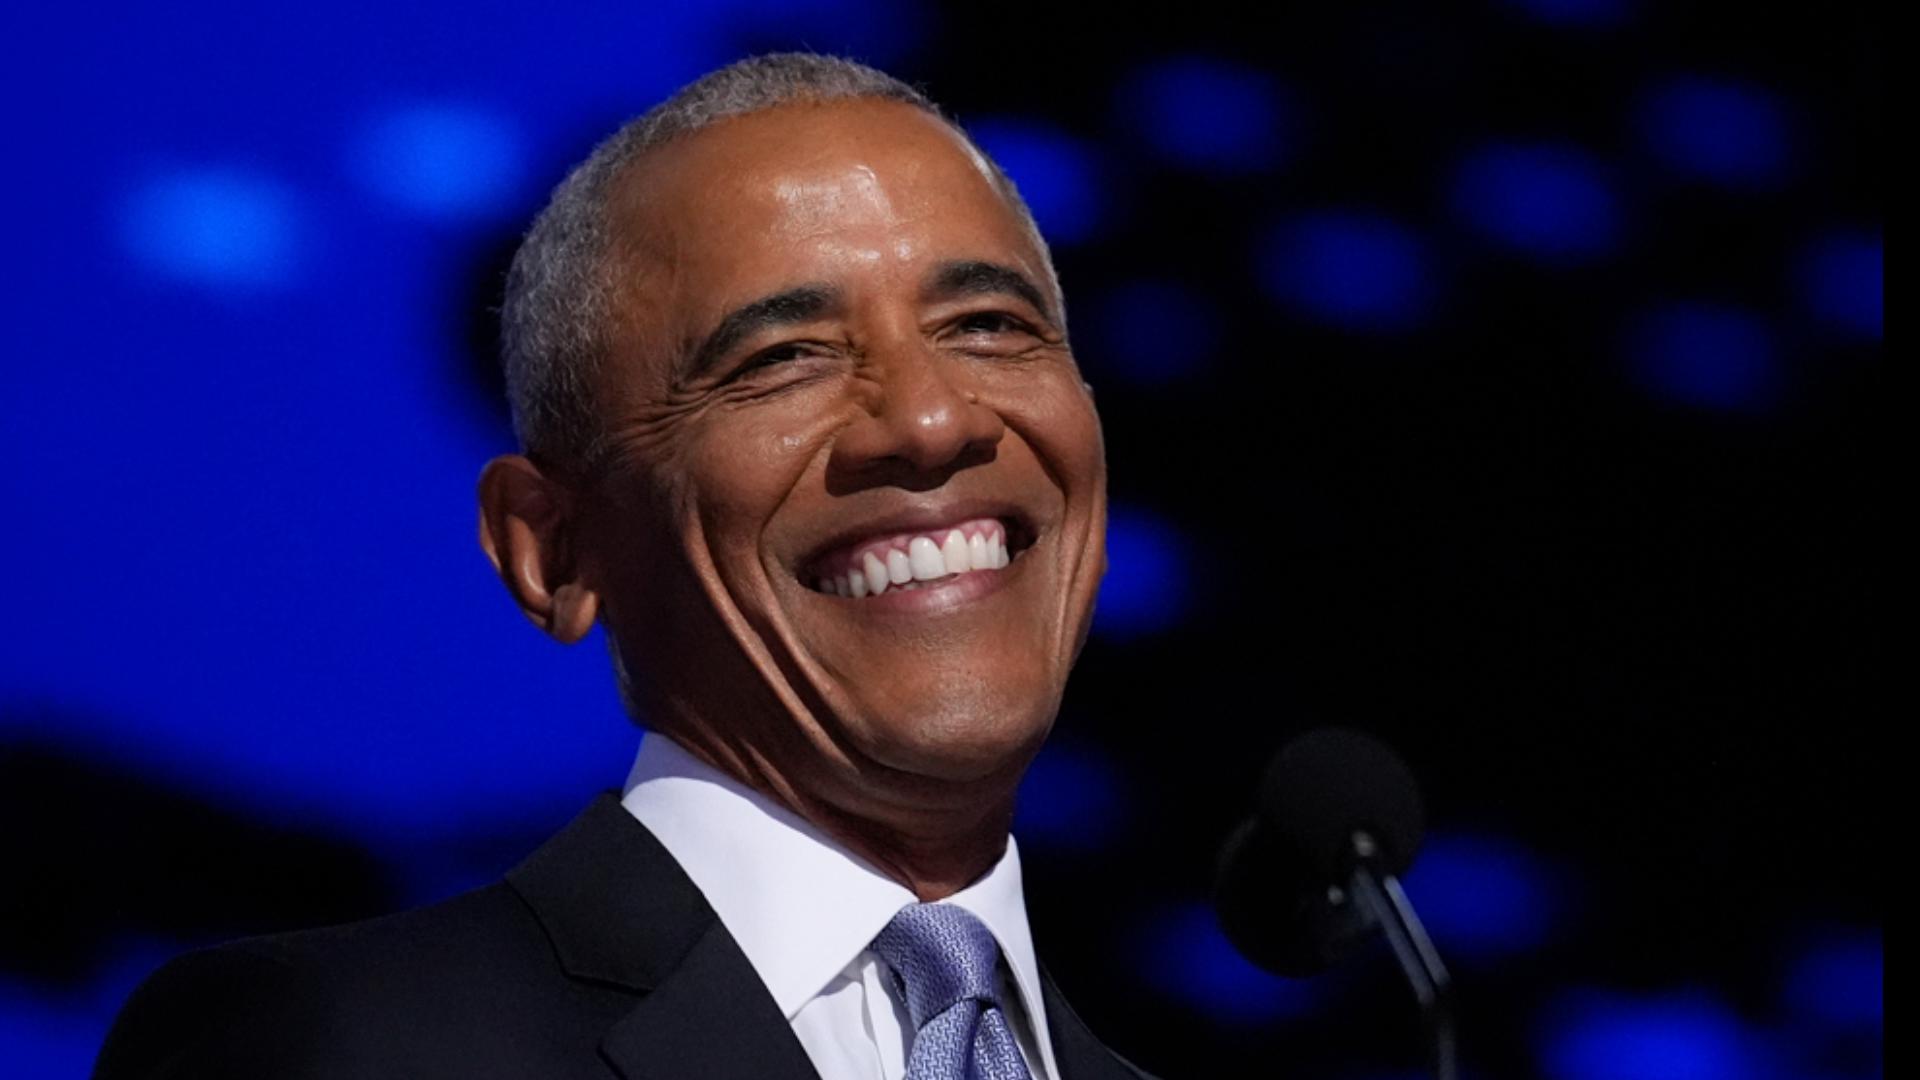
620 911
1081 1056
712 1019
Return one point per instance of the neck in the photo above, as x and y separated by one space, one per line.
934 837
933 856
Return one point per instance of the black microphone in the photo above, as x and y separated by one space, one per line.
1316 870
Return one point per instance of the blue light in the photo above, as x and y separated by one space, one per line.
42 1037
1720 132
1550 202
1206 114
218 227
1149 332
1601 1036
1839 983
1582 14
1357 271
1706 356
54 1031
1190 957
385 732
443 161
1844 279
1483 897
875 31
1071 798
1055 172
1145 589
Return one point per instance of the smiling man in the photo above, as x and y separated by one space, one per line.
803 433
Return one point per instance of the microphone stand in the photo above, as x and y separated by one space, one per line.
1385 902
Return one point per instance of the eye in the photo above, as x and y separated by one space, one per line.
992 322
772 356
781 353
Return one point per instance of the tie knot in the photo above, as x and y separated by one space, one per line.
942 955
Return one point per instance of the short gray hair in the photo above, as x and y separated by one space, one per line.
557 312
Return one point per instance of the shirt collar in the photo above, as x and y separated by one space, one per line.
999 900
801 905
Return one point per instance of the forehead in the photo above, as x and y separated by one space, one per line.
810 192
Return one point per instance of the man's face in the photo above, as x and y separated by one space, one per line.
836 348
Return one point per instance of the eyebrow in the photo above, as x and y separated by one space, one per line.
784 308
974 277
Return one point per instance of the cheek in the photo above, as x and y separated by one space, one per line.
746 465
1057 417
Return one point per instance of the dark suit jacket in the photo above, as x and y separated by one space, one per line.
595 958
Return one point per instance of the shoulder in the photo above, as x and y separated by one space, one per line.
331 1001
208 1014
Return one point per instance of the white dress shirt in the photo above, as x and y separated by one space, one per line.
804 909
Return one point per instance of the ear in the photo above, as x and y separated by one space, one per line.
531 531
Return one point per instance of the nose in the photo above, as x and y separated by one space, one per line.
925 422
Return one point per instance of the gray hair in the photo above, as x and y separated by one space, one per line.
557 311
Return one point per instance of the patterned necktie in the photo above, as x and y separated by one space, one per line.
946 963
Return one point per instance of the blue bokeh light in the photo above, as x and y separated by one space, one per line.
264 653
1072 797
1355 270
439 160
219 227
1706 356
1592 1035
1190 957
1550 202
1483 897
1205 114
1731 134
875 31
1843 279
1146 587
54 1032
1577 14
1838 982
1057 174
1149 331
39 1039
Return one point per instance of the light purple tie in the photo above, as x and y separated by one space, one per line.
947 965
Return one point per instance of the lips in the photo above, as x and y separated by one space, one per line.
899 556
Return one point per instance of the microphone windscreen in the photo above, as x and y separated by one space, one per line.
1325 785
1275 914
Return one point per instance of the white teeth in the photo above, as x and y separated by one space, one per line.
924 555
926 558
954 553
875 573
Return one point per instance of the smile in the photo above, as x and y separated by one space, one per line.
914 560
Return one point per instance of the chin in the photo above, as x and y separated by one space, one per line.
963 737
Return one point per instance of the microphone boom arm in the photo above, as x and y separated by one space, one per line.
1381 897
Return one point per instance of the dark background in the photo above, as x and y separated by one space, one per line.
1504 379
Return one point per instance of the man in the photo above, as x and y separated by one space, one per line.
802 431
